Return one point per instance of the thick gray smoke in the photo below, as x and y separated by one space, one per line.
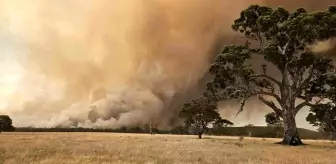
112 63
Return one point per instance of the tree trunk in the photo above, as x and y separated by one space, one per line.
332 136
150 128
277 133
200 135
291 135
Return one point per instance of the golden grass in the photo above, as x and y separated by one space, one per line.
97 148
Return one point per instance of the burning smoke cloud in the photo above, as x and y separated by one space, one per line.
109 63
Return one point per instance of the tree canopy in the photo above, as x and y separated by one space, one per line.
272 118
199 113
324 115
283 39
6 123
222 123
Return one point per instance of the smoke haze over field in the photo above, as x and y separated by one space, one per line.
107 63
104 63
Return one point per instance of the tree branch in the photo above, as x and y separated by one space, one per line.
228 96
271 105
272 94
310 76
306 103
242 104
267 77
284 49
300 106
307 80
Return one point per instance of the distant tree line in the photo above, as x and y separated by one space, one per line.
219 127
250 131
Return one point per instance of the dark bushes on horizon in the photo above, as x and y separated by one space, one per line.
255 131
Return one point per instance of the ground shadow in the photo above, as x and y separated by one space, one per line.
285 144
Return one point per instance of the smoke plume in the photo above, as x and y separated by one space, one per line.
111 63
108 63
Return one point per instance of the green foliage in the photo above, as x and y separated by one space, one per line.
279 27
6 123
283 39
323 116
273 119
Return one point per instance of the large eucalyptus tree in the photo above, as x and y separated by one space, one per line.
283 39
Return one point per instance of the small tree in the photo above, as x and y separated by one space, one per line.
222 123
151 128
199 114
283 39
324 115
273 120
6 123
249 125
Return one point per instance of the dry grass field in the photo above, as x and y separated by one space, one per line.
97 148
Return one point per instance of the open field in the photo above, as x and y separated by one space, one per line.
63 148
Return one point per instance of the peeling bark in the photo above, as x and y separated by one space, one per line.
291 135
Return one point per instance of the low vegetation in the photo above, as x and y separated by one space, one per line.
6 123
251 131
98 148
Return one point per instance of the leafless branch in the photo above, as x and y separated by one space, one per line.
270 94
271 105
228 96
242 104
307 103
